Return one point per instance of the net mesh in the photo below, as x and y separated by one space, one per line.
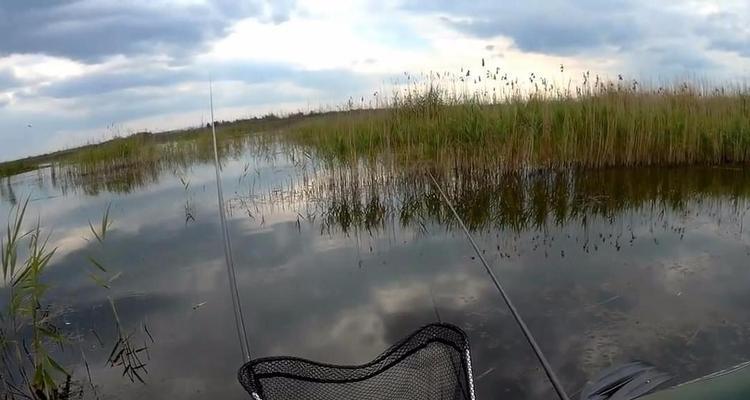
432 363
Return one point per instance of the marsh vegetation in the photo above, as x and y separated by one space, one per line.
598 124
485 117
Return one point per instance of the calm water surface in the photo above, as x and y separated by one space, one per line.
335 264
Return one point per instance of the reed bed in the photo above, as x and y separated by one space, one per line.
595 124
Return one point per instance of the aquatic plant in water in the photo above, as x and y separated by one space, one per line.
29 371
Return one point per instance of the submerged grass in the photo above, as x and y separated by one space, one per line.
597 124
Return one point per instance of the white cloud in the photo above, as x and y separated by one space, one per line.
325 37
39 68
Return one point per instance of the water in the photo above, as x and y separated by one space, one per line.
335 264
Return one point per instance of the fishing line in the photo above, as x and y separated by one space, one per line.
526 332
238 317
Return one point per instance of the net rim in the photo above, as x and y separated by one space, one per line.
249 379
383 369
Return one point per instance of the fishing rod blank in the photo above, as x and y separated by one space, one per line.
238 317
526 332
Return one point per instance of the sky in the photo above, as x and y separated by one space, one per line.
78 71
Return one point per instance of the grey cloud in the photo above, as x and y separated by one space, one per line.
679 59
734 45
7 81
120 96
160 76
91 30
632 28
555 36
728 32
112 81
555 27
281 10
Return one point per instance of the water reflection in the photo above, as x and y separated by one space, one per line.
124 176
336 263
7 192
371 197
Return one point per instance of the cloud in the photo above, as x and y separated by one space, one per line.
119 96
736 45
679 59
560 27
7 81
653 40
107 81
90 30
152 74
729 32
281 10
71 111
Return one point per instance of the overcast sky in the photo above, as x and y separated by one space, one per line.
82 70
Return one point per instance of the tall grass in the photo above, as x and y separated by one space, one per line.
115 153
596 124
38 375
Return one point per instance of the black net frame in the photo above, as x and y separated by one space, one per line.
432 363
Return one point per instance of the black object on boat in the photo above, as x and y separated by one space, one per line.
432 363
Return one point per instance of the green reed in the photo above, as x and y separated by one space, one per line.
26 312
596 124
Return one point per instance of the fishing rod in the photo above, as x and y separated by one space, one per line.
526 332
238 317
